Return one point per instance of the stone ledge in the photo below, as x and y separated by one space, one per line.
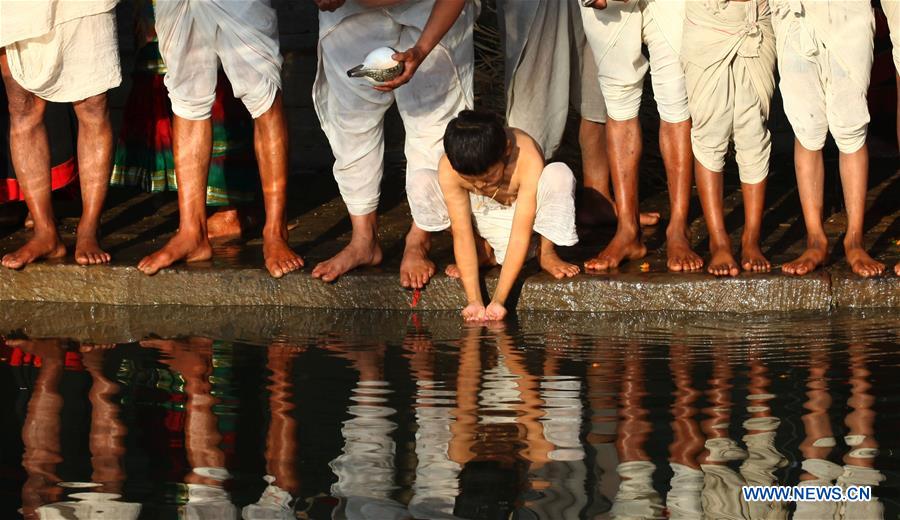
376 289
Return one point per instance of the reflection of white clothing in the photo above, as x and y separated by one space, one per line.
61 51
683 499
538 38
615 35
196 35
96 506
554 219
351 112
637 498
892 12
437 477
728 53
825 62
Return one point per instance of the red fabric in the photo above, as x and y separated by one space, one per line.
60 176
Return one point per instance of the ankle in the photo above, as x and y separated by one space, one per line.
275 230
817 242
719 244
676 232
750 238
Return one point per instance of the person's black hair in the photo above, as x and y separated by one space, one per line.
474 141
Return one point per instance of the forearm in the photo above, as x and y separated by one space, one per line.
512 266
467 263
443 16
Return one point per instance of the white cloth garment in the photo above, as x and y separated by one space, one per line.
615 35
61 51
351 112
26 19
728 53
196 35
892 12
825 62
543 72
553 220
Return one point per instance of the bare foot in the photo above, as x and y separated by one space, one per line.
813 257
679 255
722 262
88 252
897 268
861 263
280 258
753 260
189 247
364 253
224 223
619 249
556 266
416 268
41 245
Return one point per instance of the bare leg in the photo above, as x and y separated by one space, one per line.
597 206
271 143
752 258
854 179
553 264
710 186
675 144
95 150
897 268
362 250
416 268
810 168
485 257
30 152
624 145
192 145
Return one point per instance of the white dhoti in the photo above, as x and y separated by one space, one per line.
615 35
892 12
553 220
351 112
61 51
541 79
728 53
825 62
196 35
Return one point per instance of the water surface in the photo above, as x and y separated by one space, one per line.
277 413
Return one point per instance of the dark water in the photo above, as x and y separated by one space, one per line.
231 413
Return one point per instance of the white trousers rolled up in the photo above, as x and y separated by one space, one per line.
553 220
196 35
825 63
351 112
615 35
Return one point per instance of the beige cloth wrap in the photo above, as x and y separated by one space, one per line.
825 62
61 50
728 53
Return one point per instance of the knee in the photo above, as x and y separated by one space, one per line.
849 138
93 110
24 107
426 200
558 177
812 134
622 102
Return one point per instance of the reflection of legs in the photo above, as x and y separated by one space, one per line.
271 144
40 434
192 146
281 441
30 153
95 150
819 440
683 500
107 438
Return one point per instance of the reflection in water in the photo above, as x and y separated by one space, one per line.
475 423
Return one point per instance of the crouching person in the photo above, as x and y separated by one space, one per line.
494 191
